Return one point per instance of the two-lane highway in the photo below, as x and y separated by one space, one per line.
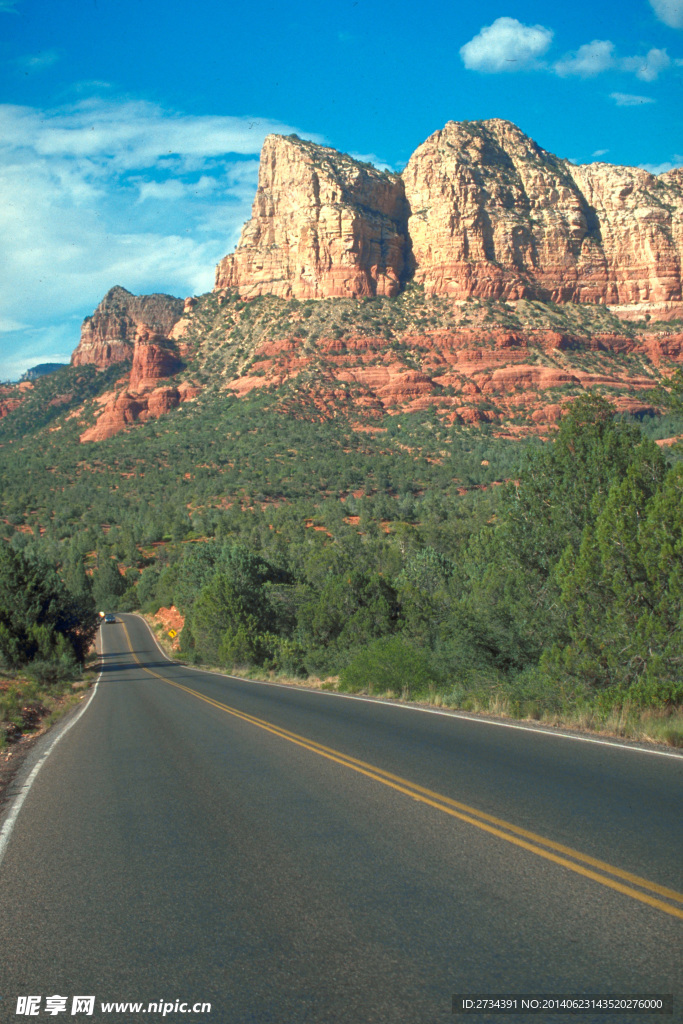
292 856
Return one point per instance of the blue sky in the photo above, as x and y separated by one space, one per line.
130 129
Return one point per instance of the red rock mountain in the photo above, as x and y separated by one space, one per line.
108 336
516 255
323 225
479 211
137 327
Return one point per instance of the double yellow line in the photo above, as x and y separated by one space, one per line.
599 871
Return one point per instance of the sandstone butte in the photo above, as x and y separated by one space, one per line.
108 336
137 327
479 212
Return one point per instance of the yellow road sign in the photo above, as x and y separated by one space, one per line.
172 633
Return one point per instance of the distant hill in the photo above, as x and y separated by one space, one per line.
40 370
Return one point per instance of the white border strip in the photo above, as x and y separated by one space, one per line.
614 744
6 830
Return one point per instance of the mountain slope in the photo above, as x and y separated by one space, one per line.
511 365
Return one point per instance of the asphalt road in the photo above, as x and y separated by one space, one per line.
295 856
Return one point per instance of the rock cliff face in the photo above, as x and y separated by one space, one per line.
640 219
122 409
480 210
137 327
10 399
153 358
108 335
493 215
322 225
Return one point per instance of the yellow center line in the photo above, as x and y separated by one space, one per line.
471 815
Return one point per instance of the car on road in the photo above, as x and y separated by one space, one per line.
109 617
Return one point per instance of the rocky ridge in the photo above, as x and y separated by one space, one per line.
491 281
512 365
509 364
108 336
322 225
138 328
479 211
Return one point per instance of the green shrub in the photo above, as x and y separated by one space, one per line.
390 664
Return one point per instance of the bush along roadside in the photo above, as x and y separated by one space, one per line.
35 697
47 628
393 668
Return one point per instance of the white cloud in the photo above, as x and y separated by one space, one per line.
647 68
372 158
7 324
599 152
174 189
104 192
669 11
506 45
38 61
599 56
164 190
590 59
624 99
134 134
667 165
658 168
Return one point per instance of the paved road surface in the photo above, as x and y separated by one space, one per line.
293 856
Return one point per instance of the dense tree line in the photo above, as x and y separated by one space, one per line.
566 585
42 619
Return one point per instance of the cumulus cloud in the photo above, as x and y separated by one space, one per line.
625 99
669 11
104 192
647 68
506 45
590 59
599 56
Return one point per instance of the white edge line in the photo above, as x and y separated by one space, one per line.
614 744
7 828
